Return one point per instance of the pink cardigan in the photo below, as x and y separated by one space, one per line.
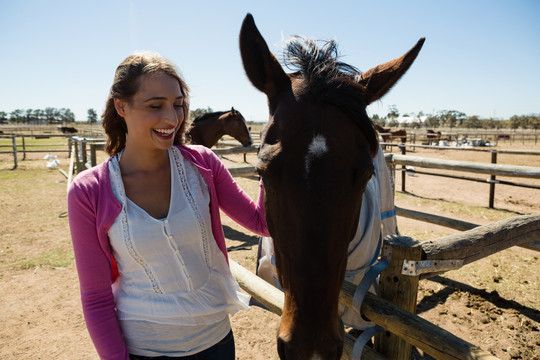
93 208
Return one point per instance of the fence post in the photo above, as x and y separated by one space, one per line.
77 160
14 144
24 148
83 154
69 142
93 156
492 181
400 289
403 167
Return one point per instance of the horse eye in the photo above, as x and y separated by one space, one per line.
361 175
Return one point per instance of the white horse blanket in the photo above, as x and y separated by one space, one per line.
377 220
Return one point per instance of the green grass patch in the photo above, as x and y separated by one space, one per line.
57 257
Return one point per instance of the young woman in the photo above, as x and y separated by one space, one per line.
146 229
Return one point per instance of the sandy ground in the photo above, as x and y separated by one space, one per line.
493 303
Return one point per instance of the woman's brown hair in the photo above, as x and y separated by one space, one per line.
125 86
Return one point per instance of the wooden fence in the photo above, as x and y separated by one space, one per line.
18 148
393 160
394 309
491 169
520 137
83 154
410 260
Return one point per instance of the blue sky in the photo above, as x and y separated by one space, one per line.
481 57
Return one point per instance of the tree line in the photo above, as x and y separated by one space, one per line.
45 116
454 119
444 118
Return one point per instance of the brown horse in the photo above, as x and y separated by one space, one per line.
388 134
315 160
434 135
208 128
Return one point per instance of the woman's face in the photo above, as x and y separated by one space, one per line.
154 114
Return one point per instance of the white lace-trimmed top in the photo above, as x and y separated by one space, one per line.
172 274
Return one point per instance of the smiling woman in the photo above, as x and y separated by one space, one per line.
146 228
129 79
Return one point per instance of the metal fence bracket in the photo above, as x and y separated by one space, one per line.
415 268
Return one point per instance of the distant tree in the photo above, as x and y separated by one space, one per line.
3 117
515 122
416 123
451 118
528 121
66 115
199 111
432 121
92 116
393 112
29 117
17 116
472 122
489 123
393 122
378 120
535 122
50 114
39 116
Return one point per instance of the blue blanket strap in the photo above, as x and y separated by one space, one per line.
362 340
358 298
366 282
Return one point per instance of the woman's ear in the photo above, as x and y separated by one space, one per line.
120 106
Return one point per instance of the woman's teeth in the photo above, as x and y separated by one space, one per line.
164 132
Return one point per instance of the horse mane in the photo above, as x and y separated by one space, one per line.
330 80
207 116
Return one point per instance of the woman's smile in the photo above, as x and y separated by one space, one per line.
165 133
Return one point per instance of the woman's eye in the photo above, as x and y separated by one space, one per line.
155 106
179 106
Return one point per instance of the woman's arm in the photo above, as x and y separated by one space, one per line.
235 202
95 272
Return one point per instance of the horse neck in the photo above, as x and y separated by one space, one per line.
210 131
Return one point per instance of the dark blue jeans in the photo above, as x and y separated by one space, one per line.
223 350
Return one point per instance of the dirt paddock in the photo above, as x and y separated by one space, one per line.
493 303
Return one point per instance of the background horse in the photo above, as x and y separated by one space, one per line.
388 134
433 135
67 129
208 128
315 160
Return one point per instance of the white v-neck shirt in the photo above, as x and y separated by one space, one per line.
175 289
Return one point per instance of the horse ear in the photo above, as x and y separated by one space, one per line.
261 66
379 80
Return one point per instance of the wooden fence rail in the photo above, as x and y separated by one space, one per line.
492 169
469 166
453 224
482 241
462 148
22 148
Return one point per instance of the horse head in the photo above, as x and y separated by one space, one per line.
315 160
235 125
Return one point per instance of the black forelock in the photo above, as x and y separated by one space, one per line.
329 80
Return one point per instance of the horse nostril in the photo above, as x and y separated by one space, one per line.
282 348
